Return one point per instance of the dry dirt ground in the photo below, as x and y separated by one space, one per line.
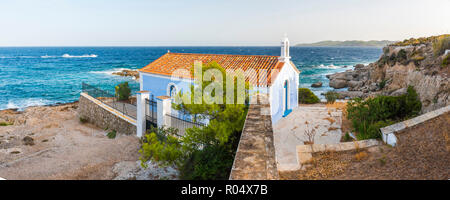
64 148
423 152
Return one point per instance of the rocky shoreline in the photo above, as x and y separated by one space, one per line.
399 67
128 73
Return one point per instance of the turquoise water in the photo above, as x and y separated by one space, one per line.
31 76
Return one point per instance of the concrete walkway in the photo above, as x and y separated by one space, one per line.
311 124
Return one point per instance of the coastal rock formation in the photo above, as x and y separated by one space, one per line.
421 63
317 84
127 72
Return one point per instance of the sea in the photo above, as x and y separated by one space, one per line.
37 76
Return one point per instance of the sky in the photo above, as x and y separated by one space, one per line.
215 22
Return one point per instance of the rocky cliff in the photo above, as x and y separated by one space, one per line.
422 63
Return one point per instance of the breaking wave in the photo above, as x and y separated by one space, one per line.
72 56
47 56
322 66
24 103
83 56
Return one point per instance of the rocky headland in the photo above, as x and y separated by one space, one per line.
422 63
128 73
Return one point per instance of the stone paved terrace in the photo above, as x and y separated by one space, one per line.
255 157
290 132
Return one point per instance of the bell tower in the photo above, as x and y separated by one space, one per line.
285 57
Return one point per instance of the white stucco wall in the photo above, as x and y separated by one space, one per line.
277 91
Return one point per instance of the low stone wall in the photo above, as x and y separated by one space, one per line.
388 132
304 152
255 156
105 117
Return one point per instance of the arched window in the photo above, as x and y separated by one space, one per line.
172 90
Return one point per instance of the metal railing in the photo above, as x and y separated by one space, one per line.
151 112
182 124
127 107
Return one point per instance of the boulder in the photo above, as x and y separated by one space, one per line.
359 66
399 92
373 87
317 84
351 94
27 140
342 75
338 83
355 84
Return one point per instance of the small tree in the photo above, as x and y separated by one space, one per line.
310 134
123 91
331 96
202 152
307 97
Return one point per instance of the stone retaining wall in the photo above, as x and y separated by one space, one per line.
105 117
304 152
388 132
255 156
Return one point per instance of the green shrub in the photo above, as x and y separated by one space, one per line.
382 84
411 106
331 96
305 96
373 130
392 59
123 91
441 44
5 124
210 163
418 58
166 151
402 57
112 134
369 116
446 60
83 119
347 137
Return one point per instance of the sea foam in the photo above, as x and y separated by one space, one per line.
24 103
322 66
83 56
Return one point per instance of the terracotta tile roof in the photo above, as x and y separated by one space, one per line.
168 63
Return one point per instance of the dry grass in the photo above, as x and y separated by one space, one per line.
323 165
332 129
361 156
337 105
331 120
